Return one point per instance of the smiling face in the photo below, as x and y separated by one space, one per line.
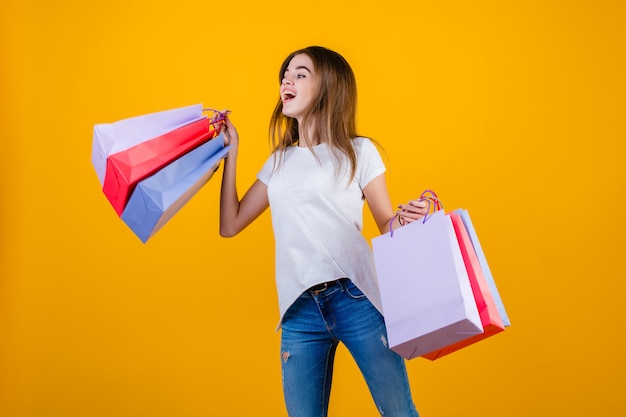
298 86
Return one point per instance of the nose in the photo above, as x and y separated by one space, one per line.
286 81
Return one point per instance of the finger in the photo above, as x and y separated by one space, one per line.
407 215
418 203
408 208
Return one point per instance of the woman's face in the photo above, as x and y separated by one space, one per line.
298 86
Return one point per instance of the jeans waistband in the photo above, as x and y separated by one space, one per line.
319 288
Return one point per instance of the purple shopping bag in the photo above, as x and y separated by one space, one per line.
426 294
110 138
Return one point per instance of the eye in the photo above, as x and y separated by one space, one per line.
301 76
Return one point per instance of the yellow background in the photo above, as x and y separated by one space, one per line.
513 110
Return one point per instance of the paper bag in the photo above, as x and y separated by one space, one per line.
469 226
487 309
159 197
125 169
110 138
424 285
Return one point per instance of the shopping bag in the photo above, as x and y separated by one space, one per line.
469 226
159 197
490 318
110 138
126 168
426 294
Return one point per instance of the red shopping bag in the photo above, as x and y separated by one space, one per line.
491 320
126 168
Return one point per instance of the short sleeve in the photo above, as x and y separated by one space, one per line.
369 162
265 174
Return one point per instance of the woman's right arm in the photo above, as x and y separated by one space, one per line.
235 214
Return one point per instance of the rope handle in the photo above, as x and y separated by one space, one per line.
217 119
428 196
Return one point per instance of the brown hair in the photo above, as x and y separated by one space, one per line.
332 109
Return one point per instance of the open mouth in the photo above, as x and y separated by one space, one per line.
288 96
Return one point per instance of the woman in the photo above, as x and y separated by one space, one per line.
316 181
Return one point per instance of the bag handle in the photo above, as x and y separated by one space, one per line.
433 201
217 119
429 195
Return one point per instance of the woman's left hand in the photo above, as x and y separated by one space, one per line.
414 210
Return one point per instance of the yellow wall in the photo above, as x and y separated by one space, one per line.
511 109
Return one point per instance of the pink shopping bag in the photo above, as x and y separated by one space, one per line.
484 265
491 320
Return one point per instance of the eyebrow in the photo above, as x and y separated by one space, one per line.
297 68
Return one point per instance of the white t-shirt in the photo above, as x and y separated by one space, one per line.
317 219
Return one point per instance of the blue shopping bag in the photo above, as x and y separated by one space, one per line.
159 197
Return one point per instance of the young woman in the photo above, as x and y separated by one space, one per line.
316 181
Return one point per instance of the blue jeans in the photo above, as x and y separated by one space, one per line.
311 330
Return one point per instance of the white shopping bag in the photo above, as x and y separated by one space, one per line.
110 138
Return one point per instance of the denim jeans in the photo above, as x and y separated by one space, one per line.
311 330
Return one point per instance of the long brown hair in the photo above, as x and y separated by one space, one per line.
332 109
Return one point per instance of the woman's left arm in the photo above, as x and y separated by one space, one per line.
377 197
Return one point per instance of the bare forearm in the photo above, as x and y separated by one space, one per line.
229 198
